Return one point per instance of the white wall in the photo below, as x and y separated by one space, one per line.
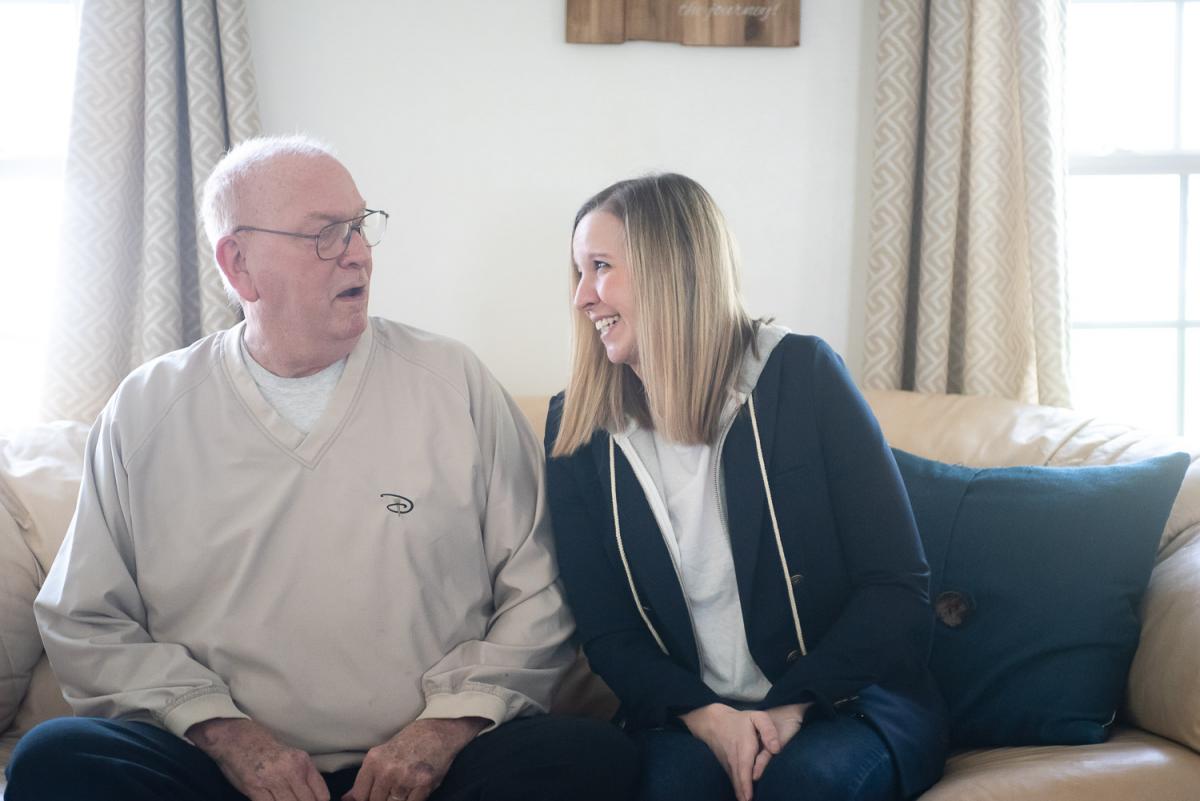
482 131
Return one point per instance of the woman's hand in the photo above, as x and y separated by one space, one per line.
787 720
736 739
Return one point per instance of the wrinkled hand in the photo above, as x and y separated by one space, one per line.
736 738
256 764
786 720
412 764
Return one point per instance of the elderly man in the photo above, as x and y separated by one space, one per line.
311 557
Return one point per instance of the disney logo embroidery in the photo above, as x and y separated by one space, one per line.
400 505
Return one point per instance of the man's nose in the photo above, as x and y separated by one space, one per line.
357 253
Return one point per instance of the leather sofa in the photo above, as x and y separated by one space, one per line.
1152 754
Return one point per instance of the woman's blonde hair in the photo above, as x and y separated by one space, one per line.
691 327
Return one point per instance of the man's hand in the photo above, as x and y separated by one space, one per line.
412 764
256 764
736 738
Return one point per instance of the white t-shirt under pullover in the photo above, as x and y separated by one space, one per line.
301 401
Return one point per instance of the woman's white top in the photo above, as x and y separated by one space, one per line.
684 493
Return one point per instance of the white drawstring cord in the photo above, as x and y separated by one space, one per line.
787 574
637 601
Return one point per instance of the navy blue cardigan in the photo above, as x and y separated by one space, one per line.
858 569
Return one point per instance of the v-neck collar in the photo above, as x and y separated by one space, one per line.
305 448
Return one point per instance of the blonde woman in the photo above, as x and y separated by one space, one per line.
732 531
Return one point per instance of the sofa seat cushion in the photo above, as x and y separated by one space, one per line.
1133 764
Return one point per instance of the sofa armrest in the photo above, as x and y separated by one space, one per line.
1164 682
40 469
20 645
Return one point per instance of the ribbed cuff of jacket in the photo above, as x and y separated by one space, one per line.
467 704
822 704
199 706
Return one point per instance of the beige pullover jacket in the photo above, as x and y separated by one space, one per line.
394 563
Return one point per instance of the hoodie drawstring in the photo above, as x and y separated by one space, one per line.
787 581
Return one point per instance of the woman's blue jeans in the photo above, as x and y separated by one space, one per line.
836 759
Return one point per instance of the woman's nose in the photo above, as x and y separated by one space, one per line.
585 293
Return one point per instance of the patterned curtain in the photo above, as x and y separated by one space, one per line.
967 277
162 89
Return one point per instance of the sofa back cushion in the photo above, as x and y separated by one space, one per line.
40 469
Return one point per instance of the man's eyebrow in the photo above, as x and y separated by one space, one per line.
325 216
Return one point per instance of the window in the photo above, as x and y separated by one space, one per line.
37 65
1133 210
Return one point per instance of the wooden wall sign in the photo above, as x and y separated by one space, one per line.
760 23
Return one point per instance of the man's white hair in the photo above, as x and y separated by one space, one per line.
223 189
220 204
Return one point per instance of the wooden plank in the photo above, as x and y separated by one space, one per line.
697 22
653 21
758 23
784 32
728 23
596 21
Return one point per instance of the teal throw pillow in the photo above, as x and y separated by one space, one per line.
1036 578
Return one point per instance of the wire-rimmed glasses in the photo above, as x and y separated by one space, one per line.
334 239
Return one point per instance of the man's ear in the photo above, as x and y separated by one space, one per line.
231 258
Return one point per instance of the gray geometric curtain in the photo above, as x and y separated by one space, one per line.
966 278
162 89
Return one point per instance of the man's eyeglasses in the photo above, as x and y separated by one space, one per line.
334 239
